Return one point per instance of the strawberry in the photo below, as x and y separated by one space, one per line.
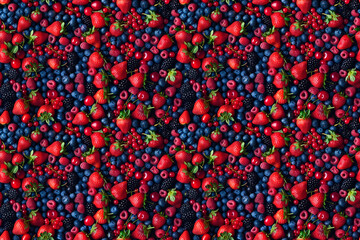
275 60
298 191
338 100
38 37
276 180
338 220
137 80
165 162
344 42
216 135
81 118
54 63
80 2
174 198
183 36
317 80
174 78
23 143
97 112
98 19
278 139
123 121
277 231
201 107
37 158
97 232
261 118
296 149
102 96
234 183
5 54
296 29
203 143
304 5
141 232
5 155
119 70
334 20
5 35
272 157
154 140
81 236
281 200
201 227
185 235
237 28
261 235
317 200
272 37
219 157
185 175
281 216
158 100
93 37
23 23
101 216
93 157
57 28
154 20
6 172
124 5
5 118
197 40
217 38
116 29
96 60
137 200
304 235
303 121
353 78
158 221
36 15
98 139
282 96
208 183
216 219
95 180
184 118
216 15
54 183
184 55
20 227
216 99
234 63
236 148
260 2
321 112
299 70
56 148
119 190
5 236
277 111
203 23
21 107
345 162
321 232
141 112
334 140
353 198
278 20
165 42
225 232
36 99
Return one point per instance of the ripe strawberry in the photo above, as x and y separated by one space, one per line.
158 221
123 121
165 162
97 232
56 148
278 19
95 180
137 80
36 99
234 63
98 139
183 36
184 175
98 19
23 23
184 118
303 121
272 37
81 236
20 227
317 200
278 139
5 236
36 15
141 232
183 55
334 140
338 100
275 60
5 54
216 135
101 216
154 140
57 28
317 80
5 118
225 231
272 157
321 232
96 60
185 235
137 200
203 23
261 118
93 157
80 2
201 227
154 20
37 158
116 149
277 232
201 107
304 5
277 111
338 220
299 70
353 198
38 37
261 235
54 183
298 191
281 216
116 29
174 78
353 78
81 118
236 148
234 183
276 180
119 70
54 63
21 107
281 200
203 143
5 35
5 173
23 143
237 28
260 2
216 15
344 42
165 42
141 112
296 149
93 37
321 112
344 162
97 112
217 38
296 29
158 100
124 5
216 99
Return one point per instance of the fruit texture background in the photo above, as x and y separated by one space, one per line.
179 119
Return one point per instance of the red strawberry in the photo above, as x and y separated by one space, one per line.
154 140
80 2
98 19
123 121
299 70
334 20
317 80
56 148
184 175
275 60
296 29
96 60
277 112
20 227
197 40
36 99
317 200
298 191
81 236
278 19
119 190
236 148
321 232
216 99
158 220
338 100
344 42
116 29
137 80
23 143
54 63
5 54
201 107
119 70
201 227
158 100
203 143
345 162
98 139
234 183
184 118
281 216
281 200
183 55
165 162
237 28
141 112
296 149
36 15
80 118
5 155
93 157
165 42
334 140
234 63
353 78
174 78
124 5
154 20
281 80
137 200
278 140
37 158
141 232
261 118
260 2
185 235
5 236
216 15
303 121
216 135
321 112
277 232
203 23
5 35
38 37
97 112
272 37
116 149
5 173
5 118
21 107
93 37
36 219
353 198
97 231
304 5
225 231
218 37
101 96
95 180
183 36
54 183
57 28
338 220
261 235
23 23
219 157
276 180
272 157
282 96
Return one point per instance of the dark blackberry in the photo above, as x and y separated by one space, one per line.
193 74
174 124
8 225
348 183
132 64
7 93
252 179
13 74
313 64
266 140
193 194
304 84
8 105
12 194
188 216
348 63
156 67
188 105
68 224
123 85
72 179
133 184
165 131
86 20
252 59
90 208
149 85
149 206
168 63
86 140
336 187
345 10
175 5
329 206
124 204
335 67
304 204
188 225
329 85
72 59
270 89
354 124
266 20
189 96
68 103
354 5
155 188
345 131
185 87
7 213
270 209
165 10
168 183
248 223
248 103
90 89
313 184
186 207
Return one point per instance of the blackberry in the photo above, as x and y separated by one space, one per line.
329 85
132 64
354 5
133 184
313 184
348 63
193 74
72 179
186 207
7 93
188 216
86 20
155 188
156 67
8 105
336 187
68 224
86 140
329 206
188 105
165 10
345 131
266 140
168 183
123 85
8 225
193 194
68 103
189 96
335 67
248 103
270 209
175 5
149 85
72 59
12 194
248 223
304 84
188 225
252 179
185 87
270 89
252 59
354 124
304 204
90 89
313 64
174 124
13 74
165 131
124 204
149 206
348 183
266 20
168 63
345 10
7 213
90 208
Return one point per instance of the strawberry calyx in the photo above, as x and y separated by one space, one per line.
46 117
151 137
213 189
213 69
33 189
191 171
351 195
153 16
351 76
11 50
191 50
304 114
124 114
125 233
331 17
331 137
225 236
171 195
45 236
171 76
11 170
226 117
304 234
269 152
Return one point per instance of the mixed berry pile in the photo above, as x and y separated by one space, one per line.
179 119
